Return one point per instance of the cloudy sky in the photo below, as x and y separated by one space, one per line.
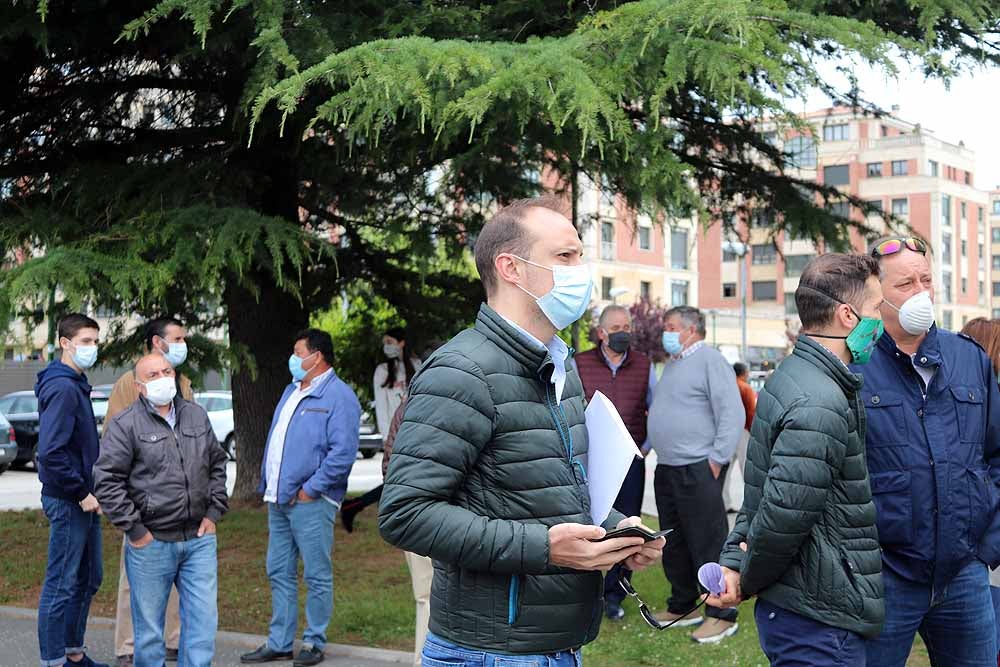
968 110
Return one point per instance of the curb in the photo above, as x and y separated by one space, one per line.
247 640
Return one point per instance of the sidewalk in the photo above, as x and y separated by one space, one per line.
19 645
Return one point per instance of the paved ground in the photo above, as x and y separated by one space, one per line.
19 645
20 489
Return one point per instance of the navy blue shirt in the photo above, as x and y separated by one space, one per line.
933 455
68 443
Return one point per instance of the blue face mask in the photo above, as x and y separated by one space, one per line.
85 356
569 297
177 353
295 367
672 342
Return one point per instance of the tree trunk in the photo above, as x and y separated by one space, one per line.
265 328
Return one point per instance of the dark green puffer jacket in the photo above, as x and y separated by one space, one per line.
808 516
483 463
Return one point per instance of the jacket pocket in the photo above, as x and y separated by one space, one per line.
886 426
969 412
514 599
850 572
981 504
893 507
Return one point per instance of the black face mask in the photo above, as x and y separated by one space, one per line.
619 341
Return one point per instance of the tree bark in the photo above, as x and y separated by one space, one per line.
265 326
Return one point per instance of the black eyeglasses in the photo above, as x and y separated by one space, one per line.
644 610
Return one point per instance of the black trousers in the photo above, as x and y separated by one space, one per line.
689 500
629 503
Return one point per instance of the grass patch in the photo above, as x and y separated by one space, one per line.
373 603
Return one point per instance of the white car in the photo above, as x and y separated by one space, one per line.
219 406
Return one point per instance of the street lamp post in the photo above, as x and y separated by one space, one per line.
740 250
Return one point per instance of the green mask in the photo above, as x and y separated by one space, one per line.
863 338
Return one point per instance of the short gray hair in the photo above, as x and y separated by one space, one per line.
610 310
690 316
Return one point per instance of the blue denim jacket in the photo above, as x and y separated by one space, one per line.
934 462
320 445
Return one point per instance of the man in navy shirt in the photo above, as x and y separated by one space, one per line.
67 451
933 447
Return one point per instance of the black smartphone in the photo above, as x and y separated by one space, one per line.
635 531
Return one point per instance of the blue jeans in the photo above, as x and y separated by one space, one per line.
152 571
957 623
306 529
792 640
442 653
72 576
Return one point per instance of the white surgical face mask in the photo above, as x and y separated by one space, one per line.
176 353
161 390
569 297
916 315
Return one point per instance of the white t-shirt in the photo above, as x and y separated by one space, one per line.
388 399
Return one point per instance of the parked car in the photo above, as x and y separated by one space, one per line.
21 410
370 439
219 406
8 444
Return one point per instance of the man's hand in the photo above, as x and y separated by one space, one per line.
570 546
304 497
90 504
733 594
143 541
207 527
650 552
716 468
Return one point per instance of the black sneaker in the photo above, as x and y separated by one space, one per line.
264 654
613 611
172 655
86 662
308 656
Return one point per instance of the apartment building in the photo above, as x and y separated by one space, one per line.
995 253
899 167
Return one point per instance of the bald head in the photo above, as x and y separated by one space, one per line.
151 367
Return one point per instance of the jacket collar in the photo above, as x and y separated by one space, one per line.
492 325
809 350
930 348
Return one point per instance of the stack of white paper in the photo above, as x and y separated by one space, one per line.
610 455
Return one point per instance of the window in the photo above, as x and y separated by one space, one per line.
932 167
762 218
607 284
946 248
947 320
874 170
840 208
996 235
900 167
964 207
645 290
982 290
728 290
607 240
965 285
900 207
981 255
946 210
678 292
968 178
877 205
678 248
728 256
790 308
946 286
965 248
764 253
765 290
996 313
884 130
795 264
996 207
996 289
837 174
996 262
979 215
838 132
645 238
801 152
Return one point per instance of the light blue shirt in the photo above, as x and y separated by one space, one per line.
559 352
172 416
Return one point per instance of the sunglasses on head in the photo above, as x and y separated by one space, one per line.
892 246
645 612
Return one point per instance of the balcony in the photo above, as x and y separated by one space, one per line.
923 139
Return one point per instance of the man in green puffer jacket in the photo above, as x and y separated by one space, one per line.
489 467
805 542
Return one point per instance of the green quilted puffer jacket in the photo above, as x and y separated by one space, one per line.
483 464
808 517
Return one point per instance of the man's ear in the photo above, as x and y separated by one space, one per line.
508 269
